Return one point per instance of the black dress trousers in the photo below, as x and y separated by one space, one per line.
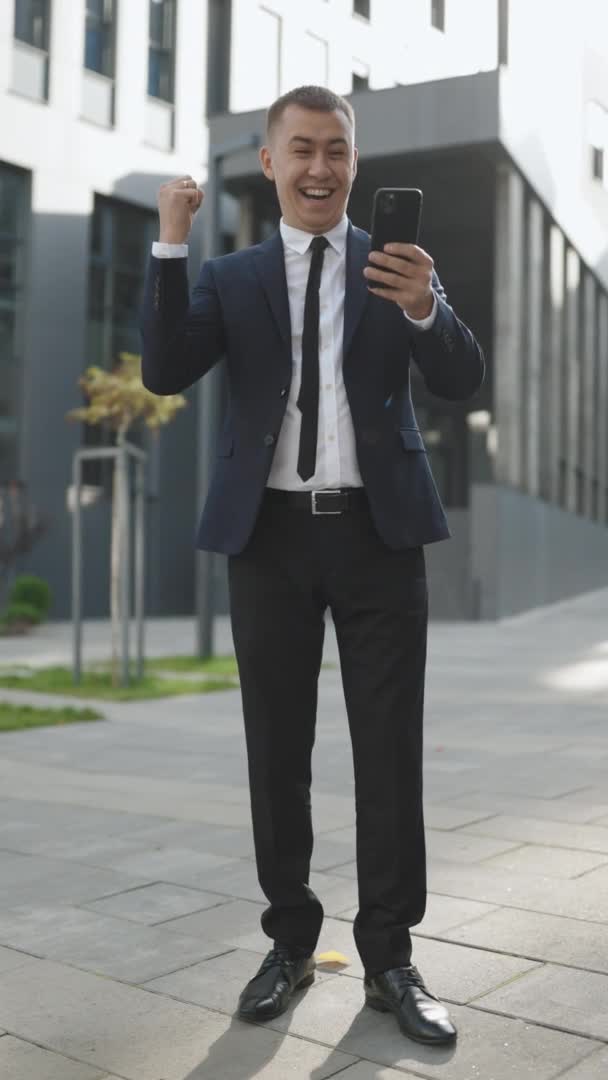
295 566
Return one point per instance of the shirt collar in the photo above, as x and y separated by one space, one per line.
299 240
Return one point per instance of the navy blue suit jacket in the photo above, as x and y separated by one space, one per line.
239 310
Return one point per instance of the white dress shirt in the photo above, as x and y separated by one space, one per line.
336 464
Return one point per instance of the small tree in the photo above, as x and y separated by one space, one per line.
118 400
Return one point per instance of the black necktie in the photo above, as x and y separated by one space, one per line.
308 398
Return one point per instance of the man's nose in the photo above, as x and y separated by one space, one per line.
319 167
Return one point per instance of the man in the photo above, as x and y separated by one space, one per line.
322 497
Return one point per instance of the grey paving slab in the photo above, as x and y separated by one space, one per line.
140 1035
21 1060
228 922
180 866
543 937
569 999
578 899
533 830
240 880
98 943
442 913
216 983
199 836
454 846
488 1045
594 1067
437 816
10 958
460 974
561 811
365 1070
156 903
33 878
553 861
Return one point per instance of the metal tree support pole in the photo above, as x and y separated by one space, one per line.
140 511
77 572
209 393
122 477
122 455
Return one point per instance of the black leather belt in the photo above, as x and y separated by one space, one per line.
320 502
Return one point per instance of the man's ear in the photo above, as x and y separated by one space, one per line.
355 160
266 162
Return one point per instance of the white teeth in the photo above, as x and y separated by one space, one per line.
317 191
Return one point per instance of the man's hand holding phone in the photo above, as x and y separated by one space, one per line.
403 273
178 201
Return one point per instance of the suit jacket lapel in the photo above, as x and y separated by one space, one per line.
356 294
270 266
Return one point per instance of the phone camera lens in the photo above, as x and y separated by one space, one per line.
389 202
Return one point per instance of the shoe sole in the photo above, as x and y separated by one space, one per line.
306 981
381 1006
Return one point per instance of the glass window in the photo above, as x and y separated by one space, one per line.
219 16
120 242
32 22
121 239
100 23
13 194
161 49
438 14
361 7
503 31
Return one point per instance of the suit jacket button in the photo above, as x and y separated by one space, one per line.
269 440
284 392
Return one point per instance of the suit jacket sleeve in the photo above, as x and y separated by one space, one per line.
449 358
182 339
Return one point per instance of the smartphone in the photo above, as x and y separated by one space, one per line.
396 216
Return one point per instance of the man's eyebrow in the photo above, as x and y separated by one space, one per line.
306 139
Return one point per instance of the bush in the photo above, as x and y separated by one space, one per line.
28 589
19 618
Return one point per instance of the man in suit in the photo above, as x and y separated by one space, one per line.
322 498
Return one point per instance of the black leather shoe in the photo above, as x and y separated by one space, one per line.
284 970
420 1014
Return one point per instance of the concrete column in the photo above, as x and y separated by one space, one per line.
588 410
508 368
602 397
572 381
553 362
244 236
533 322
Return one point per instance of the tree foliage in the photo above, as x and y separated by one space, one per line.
118 398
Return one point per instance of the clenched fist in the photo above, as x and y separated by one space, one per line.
178 201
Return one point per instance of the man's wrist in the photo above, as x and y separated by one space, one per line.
426 321
172 238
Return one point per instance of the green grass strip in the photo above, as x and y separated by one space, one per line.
15 717
98 684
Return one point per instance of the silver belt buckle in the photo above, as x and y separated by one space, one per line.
327 494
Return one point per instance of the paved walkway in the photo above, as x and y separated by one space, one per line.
129 905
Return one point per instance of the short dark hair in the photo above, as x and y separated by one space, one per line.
309 97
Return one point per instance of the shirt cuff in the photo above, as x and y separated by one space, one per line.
427 322
169 251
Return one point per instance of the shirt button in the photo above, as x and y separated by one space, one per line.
269 440
331 438
328 386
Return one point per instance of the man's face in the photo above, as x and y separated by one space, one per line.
311 158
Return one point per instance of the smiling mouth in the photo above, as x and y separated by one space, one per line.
316 194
